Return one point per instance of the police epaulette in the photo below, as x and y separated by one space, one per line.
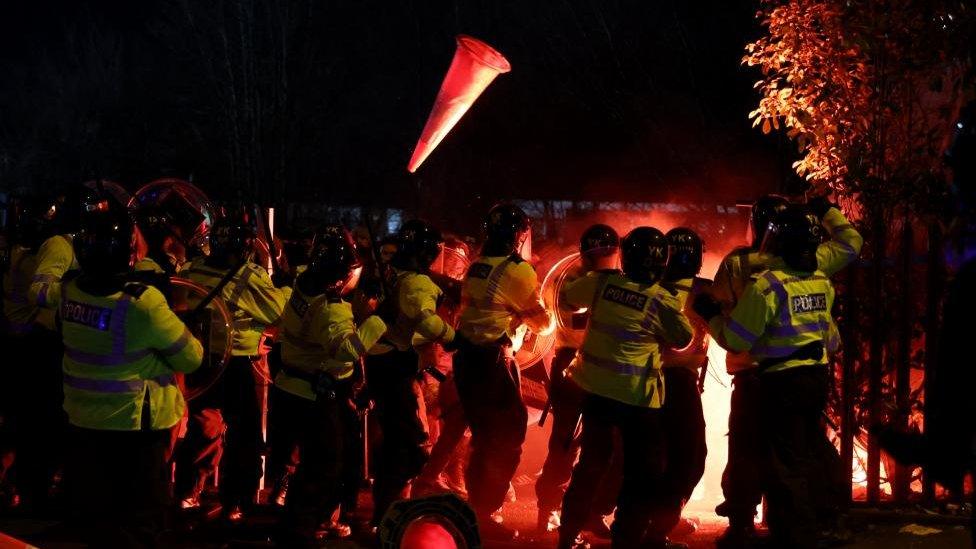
135 289
516 258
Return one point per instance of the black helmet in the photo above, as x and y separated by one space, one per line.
231 237
599 241
331 262
505 229
644 254
794 234
764 209
103 244
685 250
418 245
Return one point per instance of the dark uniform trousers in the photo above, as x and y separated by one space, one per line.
39 422
488 384
403 450
453 425
117 485
792 407
685 447
318 485
741 480
641 433
240 466
287 429
566 399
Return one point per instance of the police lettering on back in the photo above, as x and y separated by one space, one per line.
809 303
98 318
625 297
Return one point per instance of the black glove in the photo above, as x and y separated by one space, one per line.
706 306
452 345
819 205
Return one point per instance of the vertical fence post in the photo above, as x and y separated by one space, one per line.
934 288
876 361
902 477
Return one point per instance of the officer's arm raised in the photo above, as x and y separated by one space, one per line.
844 245
54 258
420 304
269 301
522 292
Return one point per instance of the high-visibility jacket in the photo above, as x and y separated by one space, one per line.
318 334
251 297
500 299
54 258
783 311
19 311
743 266
568 335
147 264
417 321
693 355
121 352
629 323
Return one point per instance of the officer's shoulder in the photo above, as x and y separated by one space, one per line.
254 267
140 291
737 253
516 259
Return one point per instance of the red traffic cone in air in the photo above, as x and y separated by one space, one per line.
474 66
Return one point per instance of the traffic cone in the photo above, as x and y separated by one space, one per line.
475 65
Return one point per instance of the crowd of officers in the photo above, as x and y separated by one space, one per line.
355 332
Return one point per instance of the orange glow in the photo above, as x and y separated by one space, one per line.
474 67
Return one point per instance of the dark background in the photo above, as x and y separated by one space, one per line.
324 100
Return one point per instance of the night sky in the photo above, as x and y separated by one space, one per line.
607 100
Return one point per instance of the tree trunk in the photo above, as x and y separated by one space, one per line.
876 363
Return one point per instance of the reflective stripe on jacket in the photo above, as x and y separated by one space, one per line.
501 295
251 297
19 311
120 354
629 323
780 313
743 266
318 334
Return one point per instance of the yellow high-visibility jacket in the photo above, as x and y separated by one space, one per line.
743 265
500 298
251 297
781 312
121 352
54 258
417 320
629 323
693 355
318 334
19 311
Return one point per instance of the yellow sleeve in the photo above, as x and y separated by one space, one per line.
269 302
147 264
747 323
579 293
843 247
355 343
54 258
418 302
169 337
673 326
522 291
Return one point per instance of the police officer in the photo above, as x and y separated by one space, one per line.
683 417
122 349
599 251
619 366
784 321
321 353
741 478
256 304
33 403
500 301
410 310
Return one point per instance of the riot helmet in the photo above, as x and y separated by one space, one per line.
506 228
103 244
644 254
418 245
333 263
794 235
764 209
685 251
231 240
